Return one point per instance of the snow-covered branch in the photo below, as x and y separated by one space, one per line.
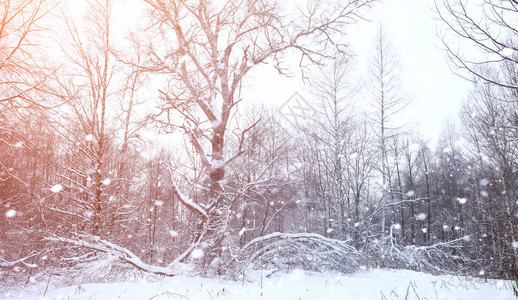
309 251
191 205
5 264
121 253
436 258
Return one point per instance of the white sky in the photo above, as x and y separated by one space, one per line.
411 27
438 93
426 78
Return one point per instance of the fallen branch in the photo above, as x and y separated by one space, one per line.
6 264
119 252
436 258
308 251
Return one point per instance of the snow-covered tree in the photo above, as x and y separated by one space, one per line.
206 49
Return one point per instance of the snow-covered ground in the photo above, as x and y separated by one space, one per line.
373 284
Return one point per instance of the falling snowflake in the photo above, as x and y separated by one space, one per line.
10 213
424 230
410 193
173 233
330 230
484 182
89 137
514 244
197 253
462 200
421 217
56 188
107 181
19 145
397 226
159 202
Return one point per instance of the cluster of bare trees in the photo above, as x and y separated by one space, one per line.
196 181
490 115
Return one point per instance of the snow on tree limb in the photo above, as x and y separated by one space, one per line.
309 251
436 258
316 236
6 264
197 145
121 253
191 205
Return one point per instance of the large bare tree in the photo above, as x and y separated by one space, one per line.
206 48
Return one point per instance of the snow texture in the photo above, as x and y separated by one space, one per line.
296 284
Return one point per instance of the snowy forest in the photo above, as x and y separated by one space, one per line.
127 142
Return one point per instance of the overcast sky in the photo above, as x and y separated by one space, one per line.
436 91
411 26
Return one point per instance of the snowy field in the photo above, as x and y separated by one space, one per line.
374 284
